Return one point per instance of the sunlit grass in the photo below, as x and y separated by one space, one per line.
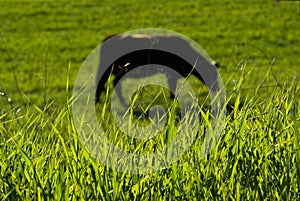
257 156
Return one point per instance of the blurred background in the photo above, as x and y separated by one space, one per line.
43 43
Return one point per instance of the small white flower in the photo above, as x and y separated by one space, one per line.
9 100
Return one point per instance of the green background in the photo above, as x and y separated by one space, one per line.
41 39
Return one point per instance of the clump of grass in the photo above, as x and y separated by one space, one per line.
257 157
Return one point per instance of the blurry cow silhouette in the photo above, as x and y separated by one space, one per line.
144 50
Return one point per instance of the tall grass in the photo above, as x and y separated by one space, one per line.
257 157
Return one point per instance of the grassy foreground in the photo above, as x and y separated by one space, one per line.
256 158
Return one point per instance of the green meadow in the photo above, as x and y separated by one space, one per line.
257 46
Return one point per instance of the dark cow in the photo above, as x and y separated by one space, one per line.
144 50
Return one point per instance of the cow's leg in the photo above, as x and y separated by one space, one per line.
172 82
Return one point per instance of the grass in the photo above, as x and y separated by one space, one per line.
257 157
40 38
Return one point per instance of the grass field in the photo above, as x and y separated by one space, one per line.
256 43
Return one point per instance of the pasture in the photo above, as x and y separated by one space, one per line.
43 45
